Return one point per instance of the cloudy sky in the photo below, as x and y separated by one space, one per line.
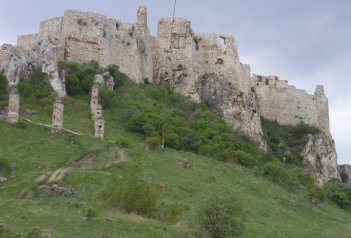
306 42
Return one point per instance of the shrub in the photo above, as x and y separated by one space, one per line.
318 193
5 166
275 171
130 194
244 159
73 85
221 215
339 193
122 142
152 143
169 212
87 83
107 98
37 91
91 213
118 77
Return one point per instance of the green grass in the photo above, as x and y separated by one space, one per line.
272 210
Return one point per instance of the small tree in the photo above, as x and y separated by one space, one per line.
220 216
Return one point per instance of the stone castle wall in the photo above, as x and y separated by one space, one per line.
290 106
90 36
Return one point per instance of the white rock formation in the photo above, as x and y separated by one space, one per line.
320 158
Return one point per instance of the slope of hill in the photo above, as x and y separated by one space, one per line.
88 166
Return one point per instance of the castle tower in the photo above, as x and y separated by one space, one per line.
99 123
322 108
141 24
13 111
57 116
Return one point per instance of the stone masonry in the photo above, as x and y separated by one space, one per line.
203 67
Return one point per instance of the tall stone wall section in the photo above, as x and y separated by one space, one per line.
290 106
90 36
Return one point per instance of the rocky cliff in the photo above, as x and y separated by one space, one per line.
204 67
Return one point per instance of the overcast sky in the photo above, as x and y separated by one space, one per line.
306 42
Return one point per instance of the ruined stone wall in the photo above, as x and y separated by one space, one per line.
90 36
290 106
51 29
28 41
218 54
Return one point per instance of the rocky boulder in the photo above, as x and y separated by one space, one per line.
320 158
239 110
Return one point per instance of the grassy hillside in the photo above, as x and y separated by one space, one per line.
271 209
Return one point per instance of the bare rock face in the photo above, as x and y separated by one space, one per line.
320 158
345 173
56 77
239 110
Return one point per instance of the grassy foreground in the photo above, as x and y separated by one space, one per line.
271 210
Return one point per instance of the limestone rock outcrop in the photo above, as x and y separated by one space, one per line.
238 109
56 77
320 158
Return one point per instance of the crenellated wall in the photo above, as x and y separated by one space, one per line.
290 106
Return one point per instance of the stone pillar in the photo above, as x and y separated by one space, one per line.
99 123
94 99
57 116
13 110
322 109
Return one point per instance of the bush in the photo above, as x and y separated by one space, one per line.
244 159
339 193
221 215
79 77
288 175
87 83
73 85
107 98
5 166
318 193
152 143
119 78
132 195
37 91
276 172
91 213
169 212
122 142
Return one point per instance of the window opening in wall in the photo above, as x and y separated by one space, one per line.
196 44
180 67
117 26
220 61
222 41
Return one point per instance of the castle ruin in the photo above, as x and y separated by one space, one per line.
203 67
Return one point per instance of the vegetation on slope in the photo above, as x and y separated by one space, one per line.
170 187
